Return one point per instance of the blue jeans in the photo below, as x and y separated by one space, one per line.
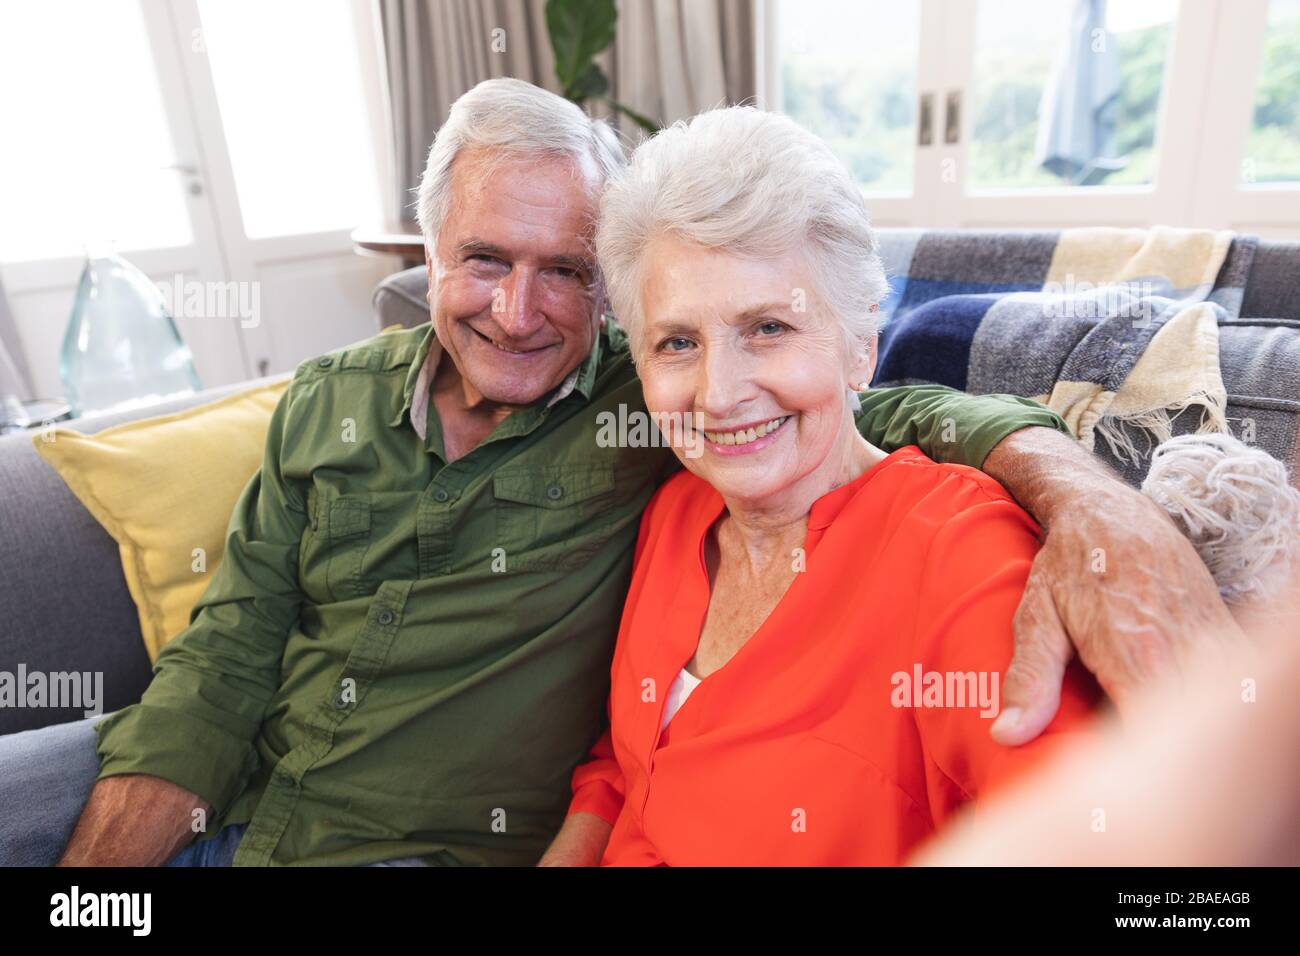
46 776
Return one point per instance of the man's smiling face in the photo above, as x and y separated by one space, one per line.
512 279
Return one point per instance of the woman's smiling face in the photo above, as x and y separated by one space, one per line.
745 347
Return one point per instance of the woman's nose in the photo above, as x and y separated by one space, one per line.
722 383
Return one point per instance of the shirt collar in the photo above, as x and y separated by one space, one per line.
415 392
827 508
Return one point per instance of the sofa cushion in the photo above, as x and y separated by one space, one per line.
164 488
64 604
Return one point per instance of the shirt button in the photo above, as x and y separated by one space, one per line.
385 617
441 495
555 492
325 361
340 701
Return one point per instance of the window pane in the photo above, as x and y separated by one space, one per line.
289 88
1066 92
863 105
1273 146
86 141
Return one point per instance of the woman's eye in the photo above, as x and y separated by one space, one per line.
675 344
770 327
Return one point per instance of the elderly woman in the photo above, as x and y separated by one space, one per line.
811 649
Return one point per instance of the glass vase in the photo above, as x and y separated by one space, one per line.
122 348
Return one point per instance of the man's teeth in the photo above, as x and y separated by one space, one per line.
747 436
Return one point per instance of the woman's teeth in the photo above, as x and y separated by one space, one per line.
748 435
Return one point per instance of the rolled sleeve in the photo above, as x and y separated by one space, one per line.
598 784
177 746
946 424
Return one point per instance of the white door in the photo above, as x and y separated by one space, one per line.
286 103
98 149
137 121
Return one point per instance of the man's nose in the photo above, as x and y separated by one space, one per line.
515 306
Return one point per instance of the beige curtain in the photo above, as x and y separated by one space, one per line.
669 60
673 58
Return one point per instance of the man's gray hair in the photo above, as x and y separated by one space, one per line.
516 119
753 184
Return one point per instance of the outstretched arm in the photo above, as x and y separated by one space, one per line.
946 424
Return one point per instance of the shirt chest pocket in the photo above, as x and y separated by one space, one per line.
334 549
553 518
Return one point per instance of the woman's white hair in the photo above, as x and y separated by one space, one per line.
753 184
516 119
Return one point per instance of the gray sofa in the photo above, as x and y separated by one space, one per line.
64 605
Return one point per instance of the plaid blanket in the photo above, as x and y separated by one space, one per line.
1117 330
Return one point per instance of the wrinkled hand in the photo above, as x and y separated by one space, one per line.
1115 582
1119 584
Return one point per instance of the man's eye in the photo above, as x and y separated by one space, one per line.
481 257
566 273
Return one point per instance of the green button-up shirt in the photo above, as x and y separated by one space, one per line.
405 656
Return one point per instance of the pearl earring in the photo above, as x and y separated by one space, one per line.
862 386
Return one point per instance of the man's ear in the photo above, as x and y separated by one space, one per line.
428 269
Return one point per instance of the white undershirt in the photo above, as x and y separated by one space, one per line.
677 694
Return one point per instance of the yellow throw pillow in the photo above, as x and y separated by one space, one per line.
164 488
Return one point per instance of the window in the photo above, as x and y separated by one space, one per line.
289 88
87 152
1051 113
1273 145
1066 92
210 142
864 106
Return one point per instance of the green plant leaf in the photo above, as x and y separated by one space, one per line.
593 82
647 124
579 29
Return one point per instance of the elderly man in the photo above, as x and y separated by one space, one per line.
406 649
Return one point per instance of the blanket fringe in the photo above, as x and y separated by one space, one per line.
1156 425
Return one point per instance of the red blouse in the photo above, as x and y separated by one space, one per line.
814 745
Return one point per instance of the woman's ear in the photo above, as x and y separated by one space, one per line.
864 364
